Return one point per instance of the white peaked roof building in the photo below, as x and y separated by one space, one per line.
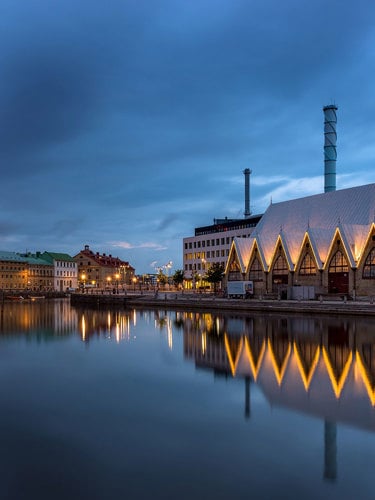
325 240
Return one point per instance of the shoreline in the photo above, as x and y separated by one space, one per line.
170 300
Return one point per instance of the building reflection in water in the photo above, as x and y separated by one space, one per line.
44 318
322 367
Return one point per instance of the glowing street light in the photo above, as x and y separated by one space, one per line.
83 277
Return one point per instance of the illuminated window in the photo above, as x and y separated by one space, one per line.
256 271
234 266
307 266
338 263
369 267
281 266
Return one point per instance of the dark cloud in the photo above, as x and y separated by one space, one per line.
122 120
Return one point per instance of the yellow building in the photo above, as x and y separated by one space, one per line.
97 270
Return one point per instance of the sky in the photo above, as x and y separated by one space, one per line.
125 124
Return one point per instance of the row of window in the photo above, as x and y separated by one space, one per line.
65 264
207 243
197 267
209 254
66 273
338 264
13 268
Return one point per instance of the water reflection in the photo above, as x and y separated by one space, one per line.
323 366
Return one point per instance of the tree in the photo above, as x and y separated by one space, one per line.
178 277
215 274
162 278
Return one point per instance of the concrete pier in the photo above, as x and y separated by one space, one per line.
201 302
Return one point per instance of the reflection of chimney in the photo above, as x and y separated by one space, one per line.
247 173
330 153
330 451
247 397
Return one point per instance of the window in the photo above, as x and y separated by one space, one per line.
338 263
307 266
234 266
281 266
256 271
369 267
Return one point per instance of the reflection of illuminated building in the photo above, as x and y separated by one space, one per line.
111 324
320 367
52 318
329 372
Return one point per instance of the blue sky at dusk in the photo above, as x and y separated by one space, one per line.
126 124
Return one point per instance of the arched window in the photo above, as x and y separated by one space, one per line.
256 271
369 267
308 266
338 263
234 266
281 266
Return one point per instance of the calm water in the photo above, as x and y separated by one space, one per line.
116 404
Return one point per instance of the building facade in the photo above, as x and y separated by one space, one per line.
325 242
25 272
211 244
102 271
65 274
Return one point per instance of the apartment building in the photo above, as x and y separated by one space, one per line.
97 270
211 244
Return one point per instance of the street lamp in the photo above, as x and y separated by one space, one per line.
83 277
134 282
117 276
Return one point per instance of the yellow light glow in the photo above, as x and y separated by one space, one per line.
232 363
255 367
83 328
306 377
365 378
279 372
204 342
337 385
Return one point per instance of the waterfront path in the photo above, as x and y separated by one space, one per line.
208 302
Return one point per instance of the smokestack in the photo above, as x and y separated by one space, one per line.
330 153
247 173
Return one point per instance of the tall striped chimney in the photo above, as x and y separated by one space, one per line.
330 154
247 173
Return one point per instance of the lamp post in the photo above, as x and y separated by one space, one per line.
83 277
117 276
134 282
203 272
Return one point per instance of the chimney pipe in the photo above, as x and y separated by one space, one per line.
330 154
247 173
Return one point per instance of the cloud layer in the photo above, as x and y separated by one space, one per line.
124 126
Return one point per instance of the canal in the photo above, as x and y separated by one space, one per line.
106 404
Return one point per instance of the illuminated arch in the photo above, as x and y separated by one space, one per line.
338 263
256 272
308 266
369 265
